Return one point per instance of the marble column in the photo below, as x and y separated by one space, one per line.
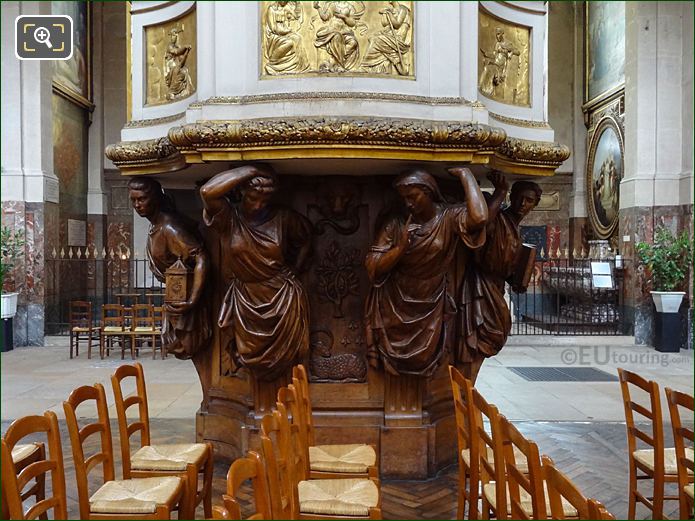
657 188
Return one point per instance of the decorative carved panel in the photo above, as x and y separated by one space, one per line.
171 61
339 38
503 60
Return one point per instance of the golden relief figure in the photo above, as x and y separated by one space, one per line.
337 37
171 60
503 66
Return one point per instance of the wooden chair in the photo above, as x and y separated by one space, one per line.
294 498
113 326
35 465
185 460
250 468
158 313
355 460
143 498
490 457
82 326
561 490
655 462
527 496
144 328
462 389
684 453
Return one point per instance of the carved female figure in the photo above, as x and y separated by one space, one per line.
337 38
410 303
177 77
485 314
283 45
496 63
388 47
186 328
263 247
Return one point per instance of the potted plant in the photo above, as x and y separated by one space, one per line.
668 260
12 247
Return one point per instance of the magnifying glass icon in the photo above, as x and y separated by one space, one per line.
43 35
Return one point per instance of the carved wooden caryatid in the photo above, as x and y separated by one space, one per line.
485 314
172 239
264 246
410 305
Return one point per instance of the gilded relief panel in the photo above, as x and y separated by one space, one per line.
337 38
503 63
172 63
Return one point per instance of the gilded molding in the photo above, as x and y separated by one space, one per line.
519 122
369 96
534 152
148 156
325 130
140 123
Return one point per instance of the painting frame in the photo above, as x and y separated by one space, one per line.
83 97
602 223
615 88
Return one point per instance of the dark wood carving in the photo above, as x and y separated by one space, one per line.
410 306
264 247
172 239
327 367
337 276
486 316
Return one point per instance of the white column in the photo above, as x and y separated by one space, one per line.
653 104
578 198
96 199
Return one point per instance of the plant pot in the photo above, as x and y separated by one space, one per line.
9 305
668 326
667 301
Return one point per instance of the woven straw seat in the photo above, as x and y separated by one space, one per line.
688 489
134 496
22 451
168 457
338 497
84 329
113 329
342 458
646 458
526 501
144 329
519 458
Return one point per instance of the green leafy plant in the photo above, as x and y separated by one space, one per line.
668 259
12 246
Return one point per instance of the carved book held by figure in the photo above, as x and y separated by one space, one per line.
523 271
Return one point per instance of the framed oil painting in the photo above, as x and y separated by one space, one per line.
604 50
604 172
72 78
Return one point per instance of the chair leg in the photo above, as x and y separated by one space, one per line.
101 346
462 491
189 496
154 347
473 489
132 348
77 345
89 346
71 340
207 484
658 500
632 493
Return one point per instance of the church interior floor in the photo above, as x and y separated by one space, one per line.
580 425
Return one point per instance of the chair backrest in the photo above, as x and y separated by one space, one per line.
251 468
104 456
143 316
559 487
142 423
276 444
682 436
158 314
598 511
528 479
491 469
462 389
295 406
302 386
655 439
13 484
80 313
112 315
